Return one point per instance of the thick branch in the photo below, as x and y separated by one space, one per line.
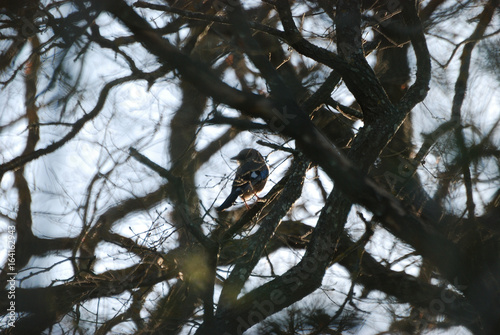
458 99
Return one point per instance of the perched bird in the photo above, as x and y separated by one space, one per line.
250 178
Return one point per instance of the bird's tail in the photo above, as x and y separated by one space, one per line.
231 199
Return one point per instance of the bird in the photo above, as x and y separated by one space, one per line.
250 178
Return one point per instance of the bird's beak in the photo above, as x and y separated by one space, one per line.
235 158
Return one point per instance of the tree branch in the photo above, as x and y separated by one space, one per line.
257 243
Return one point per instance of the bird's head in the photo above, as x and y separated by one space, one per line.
246 155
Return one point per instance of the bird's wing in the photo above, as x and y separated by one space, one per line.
250 173
247 175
